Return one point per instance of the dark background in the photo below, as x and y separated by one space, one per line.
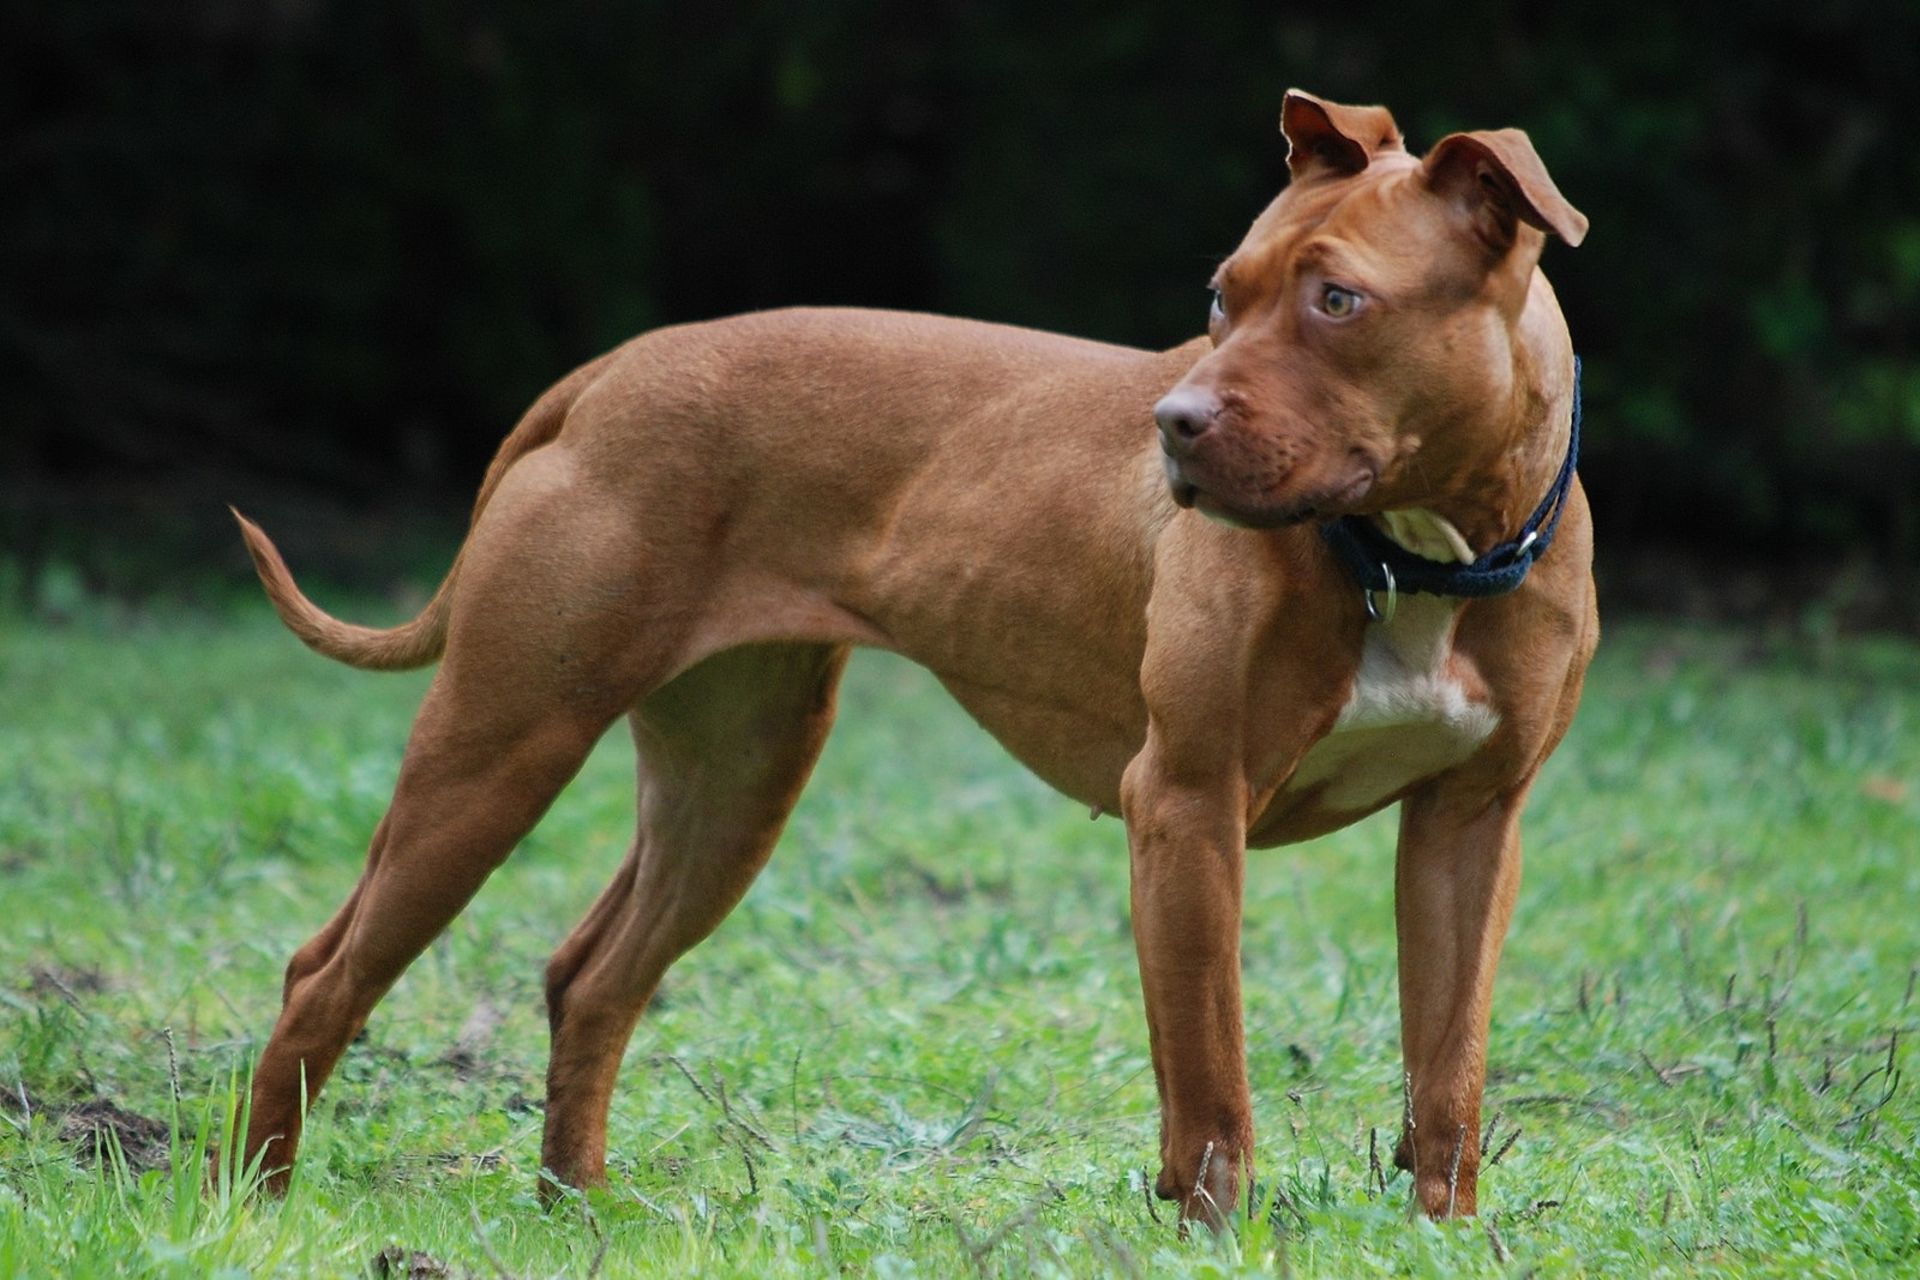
315 257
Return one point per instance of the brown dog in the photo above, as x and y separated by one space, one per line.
696 529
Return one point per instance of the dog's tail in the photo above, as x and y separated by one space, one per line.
420 641
402 648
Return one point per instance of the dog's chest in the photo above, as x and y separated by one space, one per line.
1410 715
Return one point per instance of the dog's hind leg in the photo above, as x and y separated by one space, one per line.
461 805
723 753
529 682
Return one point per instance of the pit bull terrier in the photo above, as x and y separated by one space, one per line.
1166 581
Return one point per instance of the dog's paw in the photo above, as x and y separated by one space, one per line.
1206 1187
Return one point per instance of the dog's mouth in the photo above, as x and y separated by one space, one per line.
1280 515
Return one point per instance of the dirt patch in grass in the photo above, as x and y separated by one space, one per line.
88 1125
397 1263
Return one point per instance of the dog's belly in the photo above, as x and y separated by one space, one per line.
1079 748
1416 710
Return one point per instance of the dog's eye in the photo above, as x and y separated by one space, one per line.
1218 311
1338 303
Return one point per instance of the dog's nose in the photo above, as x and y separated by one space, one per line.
1184 415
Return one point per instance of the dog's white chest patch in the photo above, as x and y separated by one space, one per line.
1407 718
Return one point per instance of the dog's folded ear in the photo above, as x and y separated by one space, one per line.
1497 178
1326 137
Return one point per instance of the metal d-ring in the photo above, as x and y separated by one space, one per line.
1374 610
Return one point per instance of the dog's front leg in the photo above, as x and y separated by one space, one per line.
1454 886
1188 840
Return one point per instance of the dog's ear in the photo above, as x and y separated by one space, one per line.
1497 179
1325 137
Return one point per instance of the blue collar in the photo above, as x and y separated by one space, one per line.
1378 563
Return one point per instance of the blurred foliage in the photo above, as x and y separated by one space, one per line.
342 244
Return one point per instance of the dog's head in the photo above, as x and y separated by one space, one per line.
1367 327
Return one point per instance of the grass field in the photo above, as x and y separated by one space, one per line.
918 1048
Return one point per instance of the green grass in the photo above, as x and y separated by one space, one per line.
918 1048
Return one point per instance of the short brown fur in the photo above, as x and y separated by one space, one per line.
694 530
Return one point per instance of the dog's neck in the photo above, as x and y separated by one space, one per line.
1475 518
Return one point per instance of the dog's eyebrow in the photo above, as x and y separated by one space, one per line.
1333 258
1321 253
1252 265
